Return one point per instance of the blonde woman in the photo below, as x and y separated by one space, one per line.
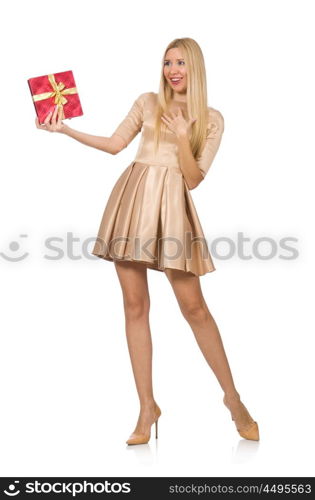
150 220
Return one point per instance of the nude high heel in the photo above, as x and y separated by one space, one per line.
144 438
251 432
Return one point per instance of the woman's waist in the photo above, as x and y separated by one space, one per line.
148 163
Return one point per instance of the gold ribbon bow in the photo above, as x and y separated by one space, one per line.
59 92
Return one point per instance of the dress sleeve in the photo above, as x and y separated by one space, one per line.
213 140
132 123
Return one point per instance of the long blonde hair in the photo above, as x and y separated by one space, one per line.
197 102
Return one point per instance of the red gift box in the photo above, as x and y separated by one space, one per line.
57 88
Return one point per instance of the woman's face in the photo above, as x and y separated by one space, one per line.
175 70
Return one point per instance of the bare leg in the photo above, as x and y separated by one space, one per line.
189 295
133 280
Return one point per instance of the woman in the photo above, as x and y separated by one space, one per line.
150 220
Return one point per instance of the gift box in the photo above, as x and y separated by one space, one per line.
57 88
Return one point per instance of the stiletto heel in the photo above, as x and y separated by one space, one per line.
251 432
144 438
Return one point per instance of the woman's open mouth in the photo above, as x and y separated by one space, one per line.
175 81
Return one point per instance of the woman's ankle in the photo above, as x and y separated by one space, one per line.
232 396
148 404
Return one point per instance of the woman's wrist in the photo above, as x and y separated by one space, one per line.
65 129
181 135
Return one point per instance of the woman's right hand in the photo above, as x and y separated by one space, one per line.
50 123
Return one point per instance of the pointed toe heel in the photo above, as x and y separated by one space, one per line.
145 438
138 439
252 432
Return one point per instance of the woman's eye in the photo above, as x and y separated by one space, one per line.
166 63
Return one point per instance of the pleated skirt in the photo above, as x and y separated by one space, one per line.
150 218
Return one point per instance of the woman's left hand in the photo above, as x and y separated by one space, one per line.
177 123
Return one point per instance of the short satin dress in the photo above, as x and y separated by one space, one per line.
150 217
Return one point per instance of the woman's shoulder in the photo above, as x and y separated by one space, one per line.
147 95
215 113
216 117
150 98
146 99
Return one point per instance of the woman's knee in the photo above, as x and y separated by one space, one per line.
136 307
197 312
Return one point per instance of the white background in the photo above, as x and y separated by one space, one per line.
68 397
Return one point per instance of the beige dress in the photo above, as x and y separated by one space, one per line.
150 216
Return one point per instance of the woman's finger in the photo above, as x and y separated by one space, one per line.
59 116
46 121
165 117
53 118
38 125
167 124
47 117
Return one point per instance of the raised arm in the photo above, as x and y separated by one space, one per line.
112 145
120 139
